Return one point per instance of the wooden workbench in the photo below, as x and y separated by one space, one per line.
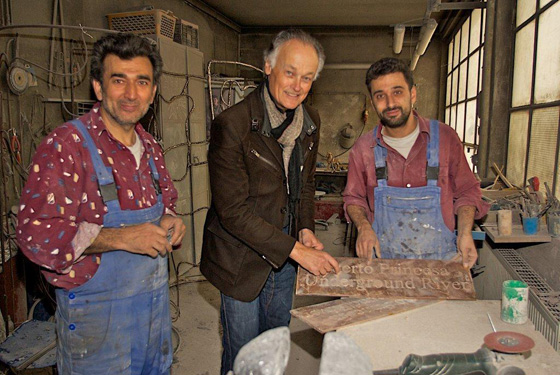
447 327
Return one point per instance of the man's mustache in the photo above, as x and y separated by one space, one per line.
392 109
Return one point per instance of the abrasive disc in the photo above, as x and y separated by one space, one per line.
508 342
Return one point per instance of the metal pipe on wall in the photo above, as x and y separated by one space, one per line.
349 66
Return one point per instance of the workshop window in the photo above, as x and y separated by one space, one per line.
533 143
464 81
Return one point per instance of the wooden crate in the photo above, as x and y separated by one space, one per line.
186 33
147 22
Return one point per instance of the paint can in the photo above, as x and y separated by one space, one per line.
530 225
515 300
504 222
553 219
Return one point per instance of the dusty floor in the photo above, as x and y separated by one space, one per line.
198 325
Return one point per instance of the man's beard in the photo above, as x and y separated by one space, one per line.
395 122
118 119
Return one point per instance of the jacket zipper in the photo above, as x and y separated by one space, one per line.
258 155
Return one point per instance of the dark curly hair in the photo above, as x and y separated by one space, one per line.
126 47
386 66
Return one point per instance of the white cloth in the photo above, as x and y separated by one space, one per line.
137 150
402 145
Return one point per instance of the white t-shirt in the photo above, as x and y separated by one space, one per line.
402 145
136 150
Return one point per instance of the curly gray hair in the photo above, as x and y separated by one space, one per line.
284 36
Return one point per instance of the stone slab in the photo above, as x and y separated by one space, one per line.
332 315
390 278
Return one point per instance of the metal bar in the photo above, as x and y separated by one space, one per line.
2 198
535 106
51 55
190 162
46 26
64 52
458 6
532 101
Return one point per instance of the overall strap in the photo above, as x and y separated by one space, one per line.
432 154
104 174
155 175
380 153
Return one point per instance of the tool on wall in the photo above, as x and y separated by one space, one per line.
19 76
347 136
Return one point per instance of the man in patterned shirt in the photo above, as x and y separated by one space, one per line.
97 214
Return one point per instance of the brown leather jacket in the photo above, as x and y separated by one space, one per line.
243 236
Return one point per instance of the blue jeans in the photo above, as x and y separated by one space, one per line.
243 321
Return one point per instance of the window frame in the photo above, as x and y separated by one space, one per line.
532 106
453 76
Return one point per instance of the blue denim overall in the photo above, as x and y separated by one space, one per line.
408 221
118 322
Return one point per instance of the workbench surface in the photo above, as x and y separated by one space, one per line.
447 327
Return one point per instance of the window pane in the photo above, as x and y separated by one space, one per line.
544 2
470 123
523 65
517 147
465 40
450 57
453 116
447 114
475 29
462 81
481 68
469 152
454 86
525 9
456 49
448 91
544 134
461 121
483 26
547 87
473 76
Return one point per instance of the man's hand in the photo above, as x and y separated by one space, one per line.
308 238
366 242
465 242
315 261
367 239
174 227
147 238
467 248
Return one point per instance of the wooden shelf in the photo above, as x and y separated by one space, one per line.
517 235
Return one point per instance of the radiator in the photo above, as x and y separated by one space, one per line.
544 306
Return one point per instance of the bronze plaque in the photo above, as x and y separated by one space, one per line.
390 278
333 315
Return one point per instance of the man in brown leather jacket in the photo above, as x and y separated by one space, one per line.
260 225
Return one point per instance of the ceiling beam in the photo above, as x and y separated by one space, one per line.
456 6
212 12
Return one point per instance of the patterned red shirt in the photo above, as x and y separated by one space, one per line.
61 210
458 184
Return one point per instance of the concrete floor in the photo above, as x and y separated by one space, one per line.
198 325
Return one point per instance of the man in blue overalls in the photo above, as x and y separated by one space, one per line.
97 214
408 178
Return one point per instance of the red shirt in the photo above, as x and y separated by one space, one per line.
61 210
458 184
